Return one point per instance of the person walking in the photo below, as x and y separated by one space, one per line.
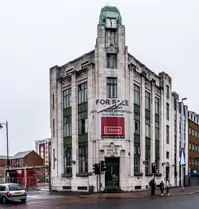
167 186
152 185
162 187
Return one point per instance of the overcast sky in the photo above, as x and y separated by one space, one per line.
38 34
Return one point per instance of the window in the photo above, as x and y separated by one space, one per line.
193 147
137 123
15 187
196 148
189 145
147 100
193 132
82 123
157 130
147 161
2 188
83 159
136 159
157 106
196 134
111 87
53 158
53 101
167 111
67 126
53 128
67 98
136 94
82 93
68 160
147 127
167 134
189 130
167 155
167 89
112 61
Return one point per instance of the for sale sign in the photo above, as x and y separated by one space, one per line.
113 127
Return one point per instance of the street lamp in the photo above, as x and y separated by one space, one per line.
1 126
182 142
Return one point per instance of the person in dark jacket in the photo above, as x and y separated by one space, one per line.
152 185
162 187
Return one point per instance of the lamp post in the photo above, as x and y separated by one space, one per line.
7 142
182 142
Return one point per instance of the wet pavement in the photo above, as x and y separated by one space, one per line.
137 200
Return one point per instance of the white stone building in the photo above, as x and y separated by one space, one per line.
107 105
180 138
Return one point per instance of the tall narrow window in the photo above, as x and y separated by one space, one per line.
136 94
167 134
67 126
68 160
83 159
147 127
53 158
157 130
167 111
147 161
112 61
53 101
53 128
67 98
167 89
137 158
111 87
82 93
137 123
157 106
82 123
147 100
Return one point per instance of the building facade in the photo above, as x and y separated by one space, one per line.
107 105
43 148
180 138
194 147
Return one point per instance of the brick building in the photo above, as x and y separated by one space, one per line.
24 159
43 148
193 125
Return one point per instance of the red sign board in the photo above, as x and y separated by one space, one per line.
113 127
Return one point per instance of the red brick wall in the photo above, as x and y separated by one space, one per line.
33 159
2 163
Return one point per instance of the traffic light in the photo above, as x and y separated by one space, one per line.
103 166
96 169
153 168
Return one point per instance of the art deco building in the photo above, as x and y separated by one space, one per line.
107 105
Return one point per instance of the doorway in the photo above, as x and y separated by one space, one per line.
112 174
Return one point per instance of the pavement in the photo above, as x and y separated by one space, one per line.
43 199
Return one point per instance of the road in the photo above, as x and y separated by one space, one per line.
57 202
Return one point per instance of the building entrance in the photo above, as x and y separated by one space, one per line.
112 175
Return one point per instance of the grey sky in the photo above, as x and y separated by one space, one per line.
35 35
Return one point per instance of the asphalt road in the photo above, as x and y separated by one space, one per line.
57 202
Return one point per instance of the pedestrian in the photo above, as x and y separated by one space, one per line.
162 188
167 186
152 185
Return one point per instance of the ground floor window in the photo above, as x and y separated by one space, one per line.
68 160
136 159
147 160
83 158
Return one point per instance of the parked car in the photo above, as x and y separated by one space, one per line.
12 192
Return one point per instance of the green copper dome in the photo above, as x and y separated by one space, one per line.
112 12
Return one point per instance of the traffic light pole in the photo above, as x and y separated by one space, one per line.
100 179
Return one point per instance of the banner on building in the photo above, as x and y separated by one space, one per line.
113 127
112 116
